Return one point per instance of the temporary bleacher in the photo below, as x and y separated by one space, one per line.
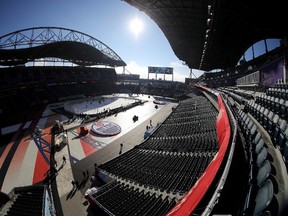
168 163
25 201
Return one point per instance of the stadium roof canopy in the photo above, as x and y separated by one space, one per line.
214 34
27 45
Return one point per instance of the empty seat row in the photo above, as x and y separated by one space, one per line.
122 199
193 143
166 171
278 92
277 105
259 190
276 126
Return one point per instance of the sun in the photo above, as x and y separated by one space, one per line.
136 26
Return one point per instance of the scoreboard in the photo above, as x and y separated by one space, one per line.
160 70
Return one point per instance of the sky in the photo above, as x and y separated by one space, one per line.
109 21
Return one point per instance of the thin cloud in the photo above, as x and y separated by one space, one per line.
133 68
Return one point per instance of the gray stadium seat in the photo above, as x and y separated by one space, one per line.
264 197
272 124
257 137
259 145
261 156
280 127
266 213
252 133
285 152
268 118
263 115
263 173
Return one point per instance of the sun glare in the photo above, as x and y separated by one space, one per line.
136 26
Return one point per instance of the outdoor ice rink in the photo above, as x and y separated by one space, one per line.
81 147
